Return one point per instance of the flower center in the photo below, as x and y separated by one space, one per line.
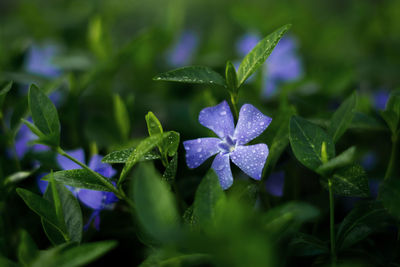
227 145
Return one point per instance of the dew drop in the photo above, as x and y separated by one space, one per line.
222 113
199 150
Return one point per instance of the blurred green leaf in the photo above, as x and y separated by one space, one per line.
4 262
18 176
44 115
80 178
342 160
155 205
392 112
192 74
209 196
392 119
3 93
121 156
256 57
170 171
231 77
350 181
27 249
306 140
172 258
363 121
343 117
68 210
308 245
364 219
121 117
389 193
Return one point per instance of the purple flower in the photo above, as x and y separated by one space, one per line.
275 184
181 53
380 98
246 43
40 60
95 200
231 141
283 65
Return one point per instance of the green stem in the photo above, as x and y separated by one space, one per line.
234 97
11 143
393 158
118 192
332 223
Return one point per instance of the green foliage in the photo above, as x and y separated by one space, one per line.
192 74
3 93
170 171
343 117
350 181
342 160
256 57
121 156
389 194
27 249
121 117
231 77
154 203
392 112
306 140
44 115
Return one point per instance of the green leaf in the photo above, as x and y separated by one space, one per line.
350 181
256 57
153 124
231 77
389 193
142 149
18 176
362 121
308 245
40 206
121 117
192 74
44 115
52 233
306 140
4 262
363 220
3 93
27 249
155 206
343 117
171 143
342 160
209 196
121 156
79 178
68 210
393 103
170 171
391 119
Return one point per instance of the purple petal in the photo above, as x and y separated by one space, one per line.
246 43
199 150
251 124
374 187
95 216
275 183
251 159
222 168
97 200
104 169
380 99
183 50
218 118
67 164
40 60
41 183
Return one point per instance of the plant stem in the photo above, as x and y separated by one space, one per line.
11 142
118 192
393 158
234 97
332 223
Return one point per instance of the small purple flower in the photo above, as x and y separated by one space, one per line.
231 141
380 99
181 53
40 60
95 200
283 65
246 43
275 184
369 161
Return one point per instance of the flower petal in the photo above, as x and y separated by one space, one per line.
103 168
67 164
222 168
97 200
198 150
218 118
251 124
275 183
251 159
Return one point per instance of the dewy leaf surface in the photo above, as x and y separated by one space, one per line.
350 181
192 74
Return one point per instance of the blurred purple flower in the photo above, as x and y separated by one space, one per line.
231 141
95 200
275 184
40 58
283 65
182 52
380 98
368 161
246 43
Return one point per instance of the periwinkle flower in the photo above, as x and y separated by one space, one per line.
246 43
275 183
95 200
40 60
231 142
181 53
283 65
380 99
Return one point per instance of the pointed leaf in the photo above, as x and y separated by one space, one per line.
306 140
192 74
345 158
350 181
343 117
27 249
231 77
121 156
121 117
170 171
256 57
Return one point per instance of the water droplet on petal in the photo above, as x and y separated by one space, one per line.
222 113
